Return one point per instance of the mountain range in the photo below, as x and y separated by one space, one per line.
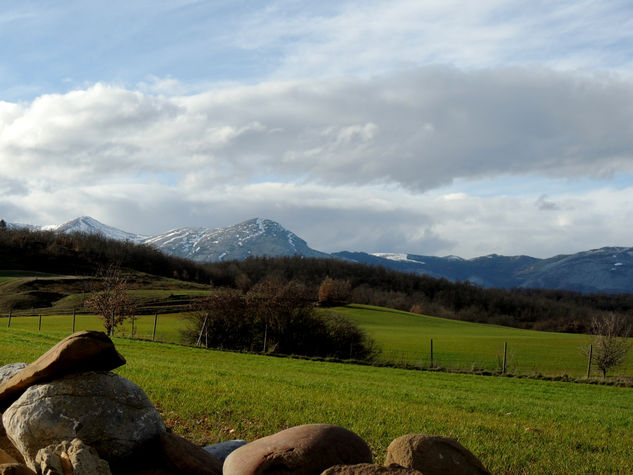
609 269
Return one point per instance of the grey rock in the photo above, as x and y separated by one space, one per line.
74 457
222 450
7 371
104 410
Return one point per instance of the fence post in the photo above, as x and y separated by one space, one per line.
154 330
39 323
431 352
505 354
589 361
204 324
73 321
9 324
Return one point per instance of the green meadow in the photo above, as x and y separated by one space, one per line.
403 338
513 425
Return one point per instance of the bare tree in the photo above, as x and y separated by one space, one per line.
111 302
610 341
334 292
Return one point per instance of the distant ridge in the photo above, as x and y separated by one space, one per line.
609 269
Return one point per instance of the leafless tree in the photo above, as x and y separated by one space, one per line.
610 341
111 301
334 292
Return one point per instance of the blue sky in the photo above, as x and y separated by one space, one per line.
436 127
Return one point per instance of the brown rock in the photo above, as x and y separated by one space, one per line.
433 455
81 351
302 450
15 469
7 446
170 453
370 469
6 458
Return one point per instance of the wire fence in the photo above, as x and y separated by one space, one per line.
498 357
159 327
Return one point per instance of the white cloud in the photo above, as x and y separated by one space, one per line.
418 130
352 164
361 218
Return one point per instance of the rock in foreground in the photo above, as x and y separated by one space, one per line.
369 469
434 455
81 351
303 450
104 410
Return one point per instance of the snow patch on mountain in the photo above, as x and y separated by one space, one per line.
88 225
395 256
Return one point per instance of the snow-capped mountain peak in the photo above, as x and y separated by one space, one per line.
88 225
255 237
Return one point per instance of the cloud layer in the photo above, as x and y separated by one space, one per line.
417 130
359 164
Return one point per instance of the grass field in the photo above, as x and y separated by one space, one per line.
403 338
168 326
513 425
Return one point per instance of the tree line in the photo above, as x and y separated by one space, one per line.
82 254
539 309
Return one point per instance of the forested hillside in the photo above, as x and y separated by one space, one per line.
554 310
84 254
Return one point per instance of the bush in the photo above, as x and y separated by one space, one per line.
278 317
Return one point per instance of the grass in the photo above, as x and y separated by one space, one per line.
405 337
168 326
513 425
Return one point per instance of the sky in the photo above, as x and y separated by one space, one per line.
424 127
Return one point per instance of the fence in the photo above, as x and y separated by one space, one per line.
495 356
140 326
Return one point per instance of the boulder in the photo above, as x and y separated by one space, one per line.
6 458
7 371
168 454
7 447
370 469
73 458
222 450
81 351
433 455
104 410
302 450
15 469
